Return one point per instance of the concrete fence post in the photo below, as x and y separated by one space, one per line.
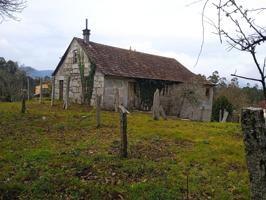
123 131
253 127
156 105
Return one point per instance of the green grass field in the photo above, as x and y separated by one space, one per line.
51 153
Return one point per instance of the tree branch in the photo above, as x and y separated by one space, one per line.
252 79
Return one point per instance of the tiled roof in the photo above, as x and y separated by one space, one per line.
120 62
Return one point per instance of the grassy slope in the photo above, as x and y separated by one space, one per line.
49 153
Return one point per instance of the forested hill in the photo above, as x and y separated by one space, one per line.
34 73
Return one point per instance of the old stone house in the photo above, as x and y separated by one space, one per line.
106 70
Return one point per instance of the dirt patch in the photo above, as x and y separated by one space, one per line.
184 143
153 149
150 150
114 196
236 167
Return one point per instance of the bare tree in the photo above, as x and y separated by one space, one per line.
8 8
247 34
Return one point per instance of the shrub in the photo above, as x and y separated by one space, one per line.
221 103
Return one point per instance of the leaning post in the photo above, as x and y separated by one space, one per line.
123 131
253 127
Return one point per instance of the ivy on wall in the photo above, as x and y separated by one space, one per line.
90 82
87 82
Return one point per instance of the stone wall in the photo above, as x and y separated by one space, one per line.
170 97
110 84
68 68
98 87
196 105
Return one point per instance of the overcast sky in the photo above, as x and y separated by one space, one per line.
169 28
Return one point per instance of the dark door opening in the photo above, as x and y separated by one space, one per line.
61 89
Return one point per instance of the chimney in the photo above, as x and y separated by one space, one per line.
86 33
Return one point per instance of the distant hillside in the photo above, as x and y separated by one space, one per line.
34 73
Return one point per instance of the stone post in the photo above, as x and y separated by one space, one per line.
66 99
98 111
162 113
123 131
53 91
156 105
23 105
40 100
220 115
253 127
226 113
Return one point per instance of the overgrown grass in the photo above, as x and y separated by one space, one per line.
51 153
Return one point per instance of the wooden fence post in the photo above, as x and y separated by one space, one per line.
40 100
98 111
53 91
23 105
253 127
66 99
28 87
123 131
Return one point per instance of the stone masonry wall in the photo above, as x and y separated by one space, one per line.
110 83
98 87
68 68
199 108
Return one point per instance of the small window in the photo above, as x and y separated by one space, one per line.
207 92
75 56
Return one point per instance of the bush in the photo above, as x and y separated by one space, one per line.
221 103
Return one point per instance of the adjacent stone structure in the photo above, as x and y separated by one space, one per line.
182 93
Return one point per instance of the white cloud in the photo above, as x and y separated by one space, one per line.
167 28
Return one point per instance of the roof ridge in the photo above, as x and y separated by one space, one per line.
128 50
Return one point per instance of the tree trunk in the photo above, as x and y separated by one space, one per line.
53 91
98 111
253 126
264 89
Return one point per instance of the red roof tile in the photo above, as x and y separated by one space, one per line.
132 64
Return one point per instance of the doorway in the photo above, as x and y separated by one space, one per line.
61 89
